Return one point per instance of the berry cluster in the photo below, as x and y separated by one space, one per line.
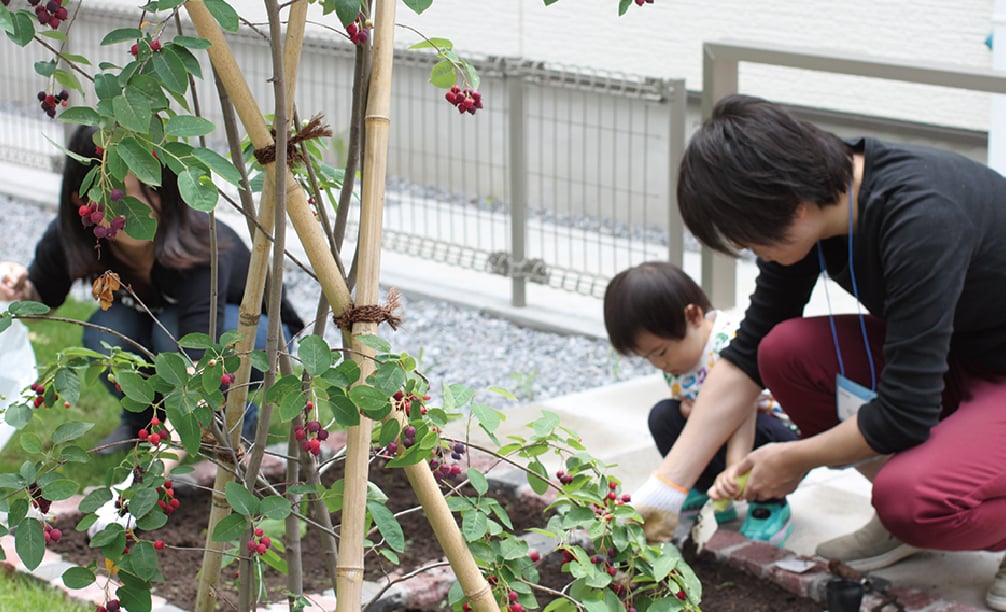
51 534
403 401
261 545
642 2
156 434
112 605
612 499
155 46
563 477
91 215
359 30
311 434
169 503
40 400
227 379
466 100
49 101
442 468
52 13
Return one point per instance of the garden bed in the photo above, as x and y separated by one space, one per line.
725 588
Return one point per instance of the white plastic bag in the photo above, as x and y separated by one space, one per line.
17 370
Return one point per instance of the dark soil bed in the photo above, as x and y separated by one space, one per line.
725 589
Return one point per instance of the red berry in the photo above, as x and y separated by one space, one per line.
681 595
135 50
155 45
154 421
261 549
266 541
154 439
251 546
174 503
143 434
158 544
513 596
258 532
167 484
534 555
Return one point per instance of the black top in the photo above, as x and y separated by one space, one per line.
187 289
929 259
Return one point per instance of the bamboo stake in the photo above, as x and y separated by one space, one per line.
251 117
350 566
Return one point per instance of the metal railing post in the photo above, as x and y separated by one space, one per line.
517 179
719 272
677 98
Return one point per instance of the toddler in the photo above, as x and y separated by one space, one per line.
657 311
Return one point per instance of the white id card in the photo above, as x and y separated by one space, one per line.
850 396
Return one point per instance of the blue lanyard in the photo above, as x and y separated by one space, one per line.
855 294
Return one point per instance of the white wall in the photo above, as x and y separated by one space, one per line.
664 39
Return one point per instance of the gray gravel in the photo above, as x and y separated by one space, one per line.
453 344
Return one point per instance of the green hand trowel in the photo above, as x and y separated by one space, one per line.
705 525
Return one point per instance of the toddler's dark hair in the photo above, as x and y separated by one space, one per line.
649 297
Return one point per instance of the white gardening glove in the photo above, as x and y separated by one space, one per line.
659 502
108 513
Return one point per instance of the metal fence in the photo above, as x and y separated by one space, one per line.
564 178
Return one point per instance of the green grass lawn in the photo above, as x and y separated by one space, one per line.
96 405
21 592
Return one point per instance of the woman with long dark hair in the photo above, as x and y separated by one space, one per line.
170 274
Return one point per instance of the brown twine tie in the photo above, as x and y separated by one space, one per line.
313 129
371 313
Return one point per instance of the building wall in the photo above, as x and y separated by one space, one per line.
664 39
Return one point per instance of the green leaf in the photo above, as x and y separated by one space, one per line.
78 577
134 595
474 526
169 68
198 190
142 502
21 309
6 20
196 340
377 343
623 5
68 80
218 164
110 535
67 384
139 159
344 411
133 112
346 10
315 355
139 224
418 5
23 30
191 42
388 378
18 511
45 68
29 543
106 86
230 528
70 431
171 367
370 401
152 521
343 375
478 480
241 499
443 75
274 507
60 489
94 500
135 387
387 525
121 35
143 560
84 115
187 125
225 15
433 43
472 74
291 405
31 443
19 415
